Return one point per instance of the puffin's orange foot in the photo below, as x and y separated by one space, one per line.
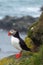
18 55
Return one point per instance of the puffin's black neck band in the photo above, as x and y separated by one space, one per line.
16 35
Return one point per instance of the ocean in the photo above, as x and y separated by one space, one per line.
20 8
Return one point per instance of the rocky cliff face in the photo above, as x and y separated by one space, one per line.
20 24
36 31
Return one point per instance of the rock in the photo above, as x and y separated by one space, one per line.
20 24
36 31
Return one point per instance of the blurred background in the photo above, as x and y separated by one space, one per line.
19 15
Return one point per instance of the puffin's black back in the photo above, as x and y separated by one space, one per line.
22 43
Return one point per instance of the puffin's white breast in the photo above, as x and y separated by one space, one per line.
15 42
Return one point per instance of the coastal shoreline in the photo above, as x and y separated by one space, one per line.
19 23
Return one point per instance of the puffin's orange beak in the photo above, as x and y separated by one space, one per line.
9 33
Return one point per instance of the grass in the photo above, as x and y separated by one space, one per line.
28 58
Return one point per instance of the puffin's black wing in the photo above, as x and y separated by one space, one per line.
23 45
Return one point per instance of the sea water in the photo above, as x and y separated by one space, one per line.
20 7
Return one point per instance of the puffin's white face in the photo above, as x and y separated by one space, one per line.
12 32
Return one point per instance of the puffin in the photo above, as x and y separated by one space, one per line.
18 42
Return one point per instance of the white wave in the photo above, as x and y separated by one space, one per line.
22 11
34 9
1 17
